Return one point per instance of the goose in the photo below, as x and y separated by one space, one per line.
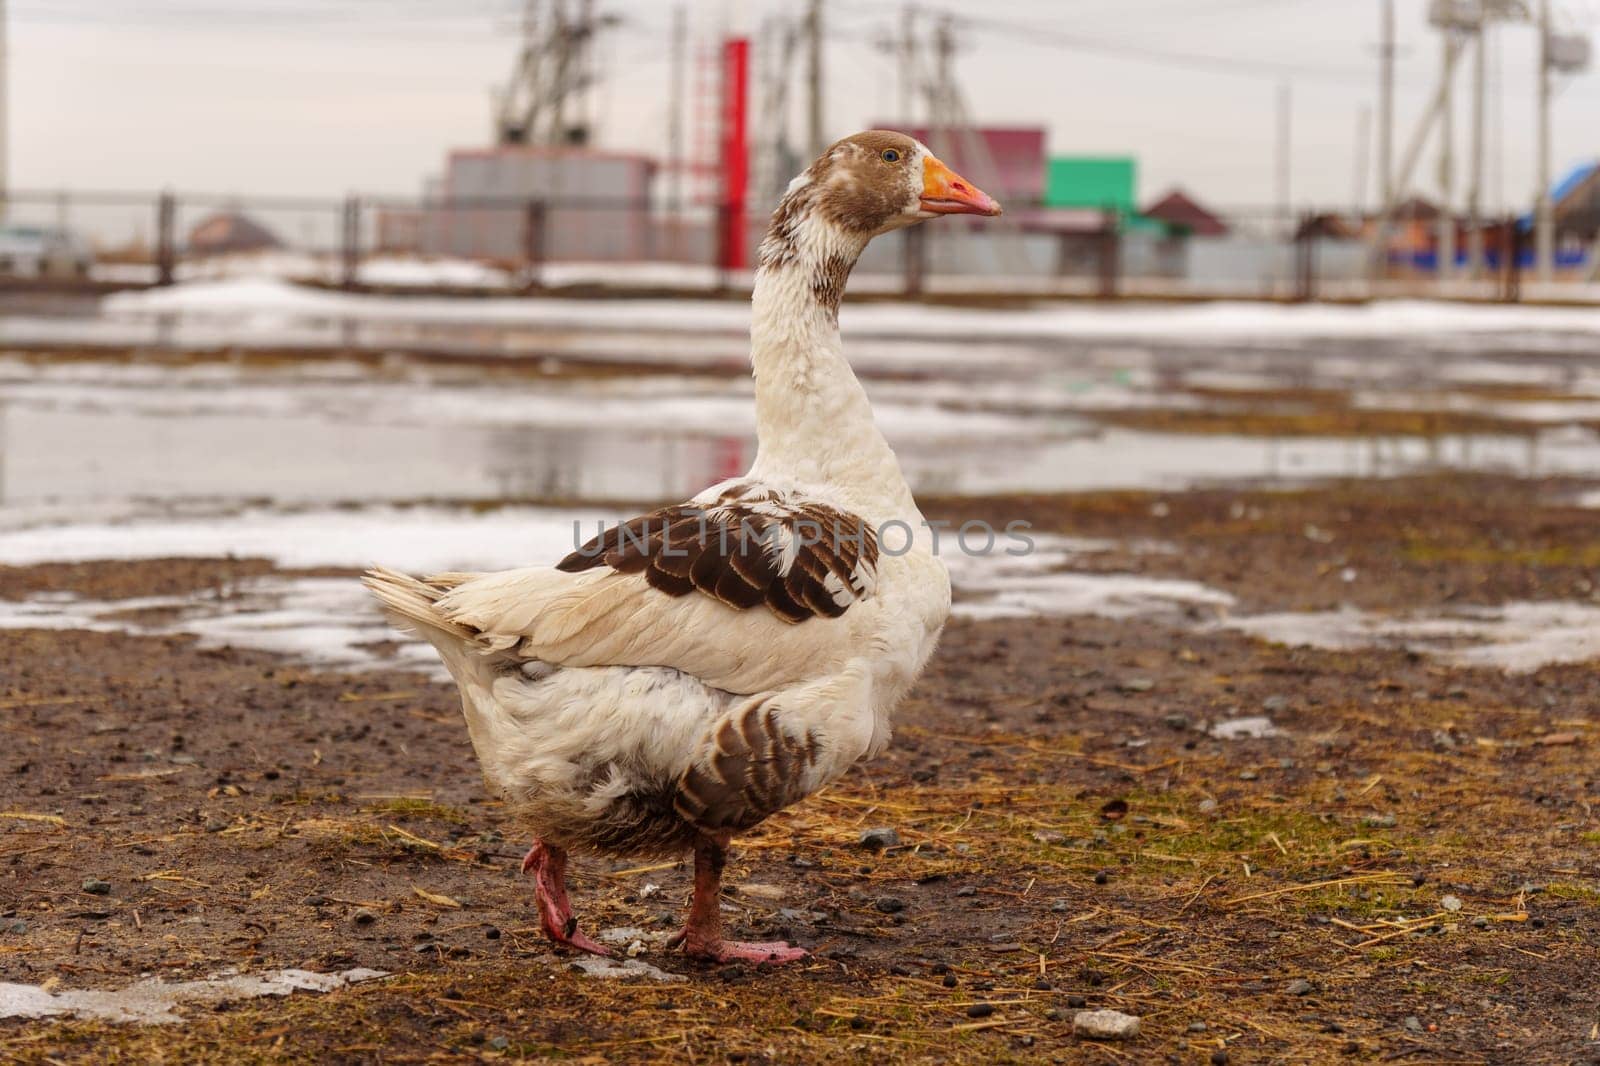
686 674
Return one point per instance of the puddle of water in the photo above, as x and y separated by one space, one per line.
157 1002
1514 637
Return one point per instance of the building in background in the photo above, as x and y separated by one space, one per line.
596 207
230 233
1096 183
1184 214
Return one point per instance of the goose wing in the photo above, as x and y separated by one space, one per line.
749 588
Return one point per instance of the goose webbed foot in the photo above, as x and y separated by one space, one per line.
548 865
702 936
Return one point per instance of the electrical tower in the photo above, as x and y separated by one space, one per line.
548 100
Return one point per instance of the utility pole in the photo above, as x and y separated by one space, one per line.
1285 149
1447 159
941 119
1544 218
814 125
1363 158
1385 140
908 62
1480 95
5 77
680 48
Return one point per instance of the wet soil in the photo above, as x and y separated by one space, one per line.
1409 870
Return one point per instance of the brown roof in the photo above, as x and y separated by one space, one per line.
1178 208
230 231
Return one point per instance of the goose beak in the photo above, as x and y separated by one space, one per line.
944 192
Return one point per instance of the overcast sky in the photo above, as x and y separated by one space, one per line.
320 97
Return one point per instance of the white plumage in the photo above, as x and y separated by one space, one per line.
683 678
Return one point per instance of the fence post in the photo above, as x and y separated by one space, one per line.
1511 272
722 248
914 262
533 242
350 245
1110 253
1305 249
166 246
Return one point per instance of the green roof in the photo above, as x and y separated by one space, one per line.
1092 181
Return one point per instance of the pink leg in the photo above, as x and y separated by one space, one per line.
702 937
548 864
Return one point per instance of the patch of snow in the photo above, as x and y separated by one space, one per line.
420 539
1250 321
620 969
1255 727
332 621
1515 637
1041 583
156 1002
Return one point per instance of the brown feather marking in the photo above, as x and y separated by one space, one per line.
731 553
755 768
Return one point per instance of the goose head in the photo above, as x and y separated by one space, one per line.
863 186
880 180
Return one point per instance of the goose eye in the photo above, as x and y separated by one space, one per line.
891 156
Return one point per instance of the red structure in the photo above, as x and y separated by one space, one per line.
735 153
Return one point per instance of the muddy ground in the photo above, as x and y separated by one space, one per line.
1071 834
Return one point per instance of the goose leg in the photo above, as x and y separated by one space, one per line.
702 936
548 864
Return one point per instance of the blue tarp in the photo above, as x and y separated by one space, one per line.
1429 261
1563 189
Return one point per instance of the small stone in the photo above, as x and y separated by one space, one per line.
1451 903
980 1010
18 926
1413 1024
1274 704
1197 1027
1480 922
1248 775
1105 1025
890 904
1380 821
1077 1001
1060 906
950 980
1300 987
1208 806
1138 684
879 839
314 901
967 890
499 1043
1049 836
96 887
1054 1015
364 916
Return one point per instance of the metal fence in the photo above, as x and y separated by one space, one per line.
375 242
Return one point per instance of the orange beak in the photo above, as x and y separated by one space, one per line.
944 192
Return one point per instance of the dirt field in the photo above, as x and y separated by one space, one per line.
1408 871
